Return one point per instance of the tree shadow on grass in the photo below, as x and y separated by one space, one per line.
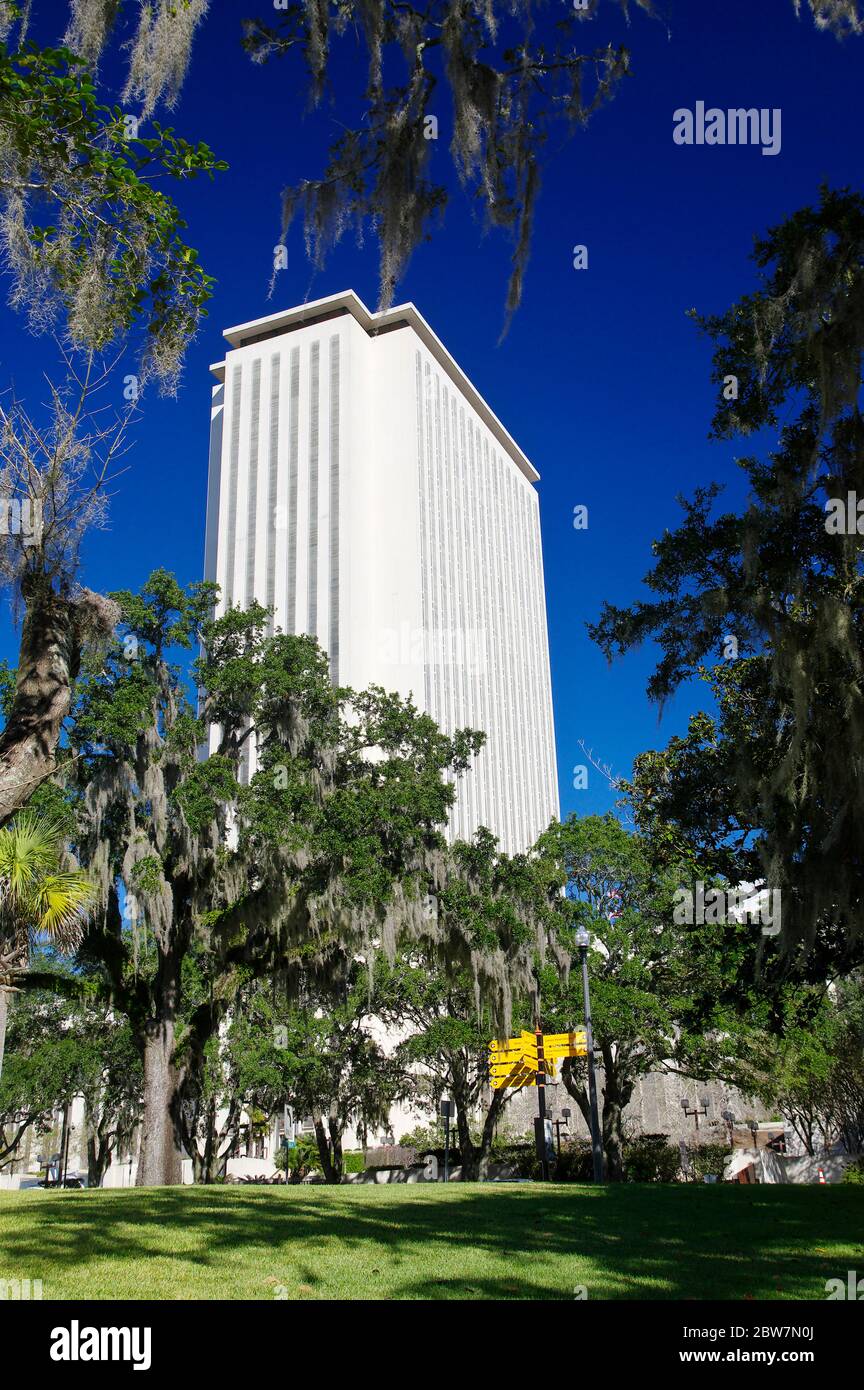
416 1242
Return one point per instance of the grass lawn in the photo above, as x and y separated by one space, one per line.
471 1241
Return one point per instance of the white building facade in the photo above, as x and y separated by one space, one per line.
362 488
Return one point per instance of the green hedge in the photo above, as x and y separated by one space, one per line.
708 1160
651 1158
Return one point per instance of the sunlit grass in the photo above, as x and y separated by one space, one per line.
434 1242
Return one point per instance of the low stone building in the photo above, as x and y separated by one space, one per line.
655 1108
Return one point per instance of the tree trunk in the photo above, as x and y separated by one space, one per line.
48 662
613 1140
611 1104
468 1154
160 1155
335 1148
98 1158
323 1146
159 1159
4 1013
617 1090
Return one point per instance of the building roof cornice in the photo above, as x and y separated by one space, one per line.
407 315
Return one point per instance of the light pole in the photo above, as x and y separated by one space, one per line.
729 1118
695 1112
446 1112
64 1146
583 941
565 1121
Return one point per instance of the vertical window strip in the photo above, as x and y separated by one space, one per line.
333 645
538 619
502 555
463 633
272 484
431 512
479 716
443 635
233 471
521 712
543 663
521 619
422 486
312 622
494 685
535 757
252 498
449 638
293 465
438 711
505 746
549 721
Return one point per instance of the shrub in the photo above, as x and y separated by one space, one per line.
297 1162
425 1139
707 1160
519 1156
576 1163
651 1158
854 1171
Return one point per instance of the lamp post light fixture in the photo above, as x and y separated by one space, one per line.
583 941
565 1121
446 1112
695 1112
753 1127
729 1119
64 1147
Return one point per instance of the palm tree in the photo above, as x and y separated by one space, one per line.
37 899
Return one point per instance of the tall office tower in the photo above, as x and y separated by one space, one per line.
362 488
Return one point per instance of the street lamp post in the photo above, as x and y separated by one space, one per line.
729 1119
64 1146
446 1111
565 1121
695 1112
583 941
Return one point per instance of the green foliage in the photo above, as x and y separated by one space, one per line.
814 1072
854 1172
651 1158
38 897
662 993
301 1160
782 794
7 688
575 1163
423 1138
59 1048
707 1160
98 243
315 873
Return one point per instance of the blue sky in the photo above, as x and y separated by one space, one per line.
602 379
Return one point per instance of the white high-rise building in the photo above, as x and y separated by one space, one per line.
362 488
